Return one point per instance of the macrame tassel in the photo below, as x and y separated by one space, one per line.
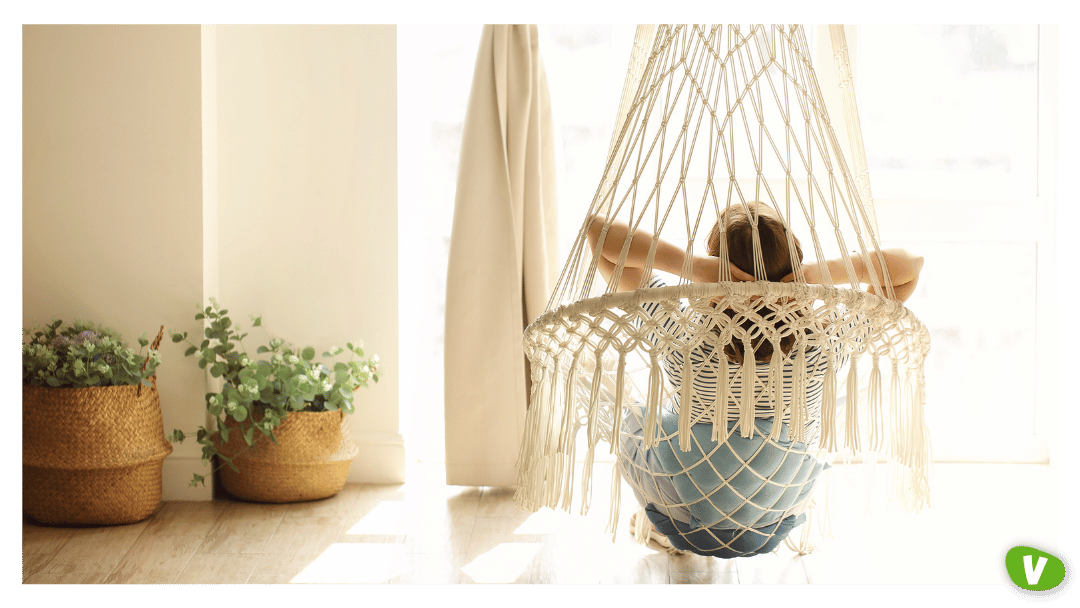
911 482
554 438
553 480
568 474
828 405
799 413
592 434
592 431
686 402
776 384
896 441
746 411
911 460
569 407
641 527
586 479
553 470
873 399
920 485
652 403
531 456
616 500
617 407
851 420
720 403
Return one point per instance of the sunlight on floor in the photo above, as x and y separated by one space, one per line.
388 517
544 521
347 563
503 564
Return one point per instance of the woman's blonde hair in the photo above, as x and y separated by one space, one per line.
777 258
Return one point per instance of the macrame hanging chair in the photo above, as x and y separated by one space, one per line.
715 118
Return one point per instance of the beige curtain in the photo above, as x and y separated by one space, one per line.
503 255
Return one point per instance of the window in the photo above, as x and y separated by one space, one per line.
952 118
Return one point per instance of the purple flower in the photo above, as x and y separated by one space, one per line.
60 341
88 336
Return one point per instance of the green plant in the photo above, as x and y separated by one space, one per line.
259 393
84 355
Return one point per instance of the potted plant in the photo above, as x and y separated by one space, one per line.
279 427
93 438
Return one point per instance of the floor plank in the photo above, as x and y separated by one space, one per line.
40 545
244 527
90 554
296 543
165 547
218 569
781 567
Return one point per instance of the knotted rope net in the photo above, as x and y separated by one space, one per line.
721 446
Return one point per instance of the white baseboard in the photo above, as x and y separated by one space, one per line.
381 459
176 474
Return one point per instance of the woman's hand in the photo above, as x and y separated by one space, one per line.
903 266
707 270
667 257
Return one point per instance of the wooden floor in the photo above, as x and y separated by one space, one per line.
424 532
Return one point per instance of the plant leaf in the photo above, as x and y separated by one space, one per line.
308 354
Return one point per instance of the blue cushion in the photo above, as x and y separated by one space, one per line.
725 544
720 490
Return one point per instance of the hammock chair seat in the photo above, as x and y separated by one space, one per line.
721 439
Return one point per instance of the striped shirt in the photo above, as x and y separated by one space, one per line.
705 362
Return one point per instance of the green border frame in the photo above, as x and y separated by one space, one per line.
431 11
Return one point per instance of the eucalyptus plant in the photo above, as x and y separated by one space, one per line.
84 355
259 393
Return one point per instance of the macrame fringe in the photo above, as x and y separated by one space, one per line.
776 383
617 407
828 406
749 375
616 500
641 527
799 412
685 409
851 420
720 403
652 403
587 479
873 402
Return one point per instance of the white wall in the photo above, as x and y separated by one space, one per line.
112 202
288 212
307 202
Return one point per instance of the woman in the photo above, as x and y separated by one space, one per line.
703 500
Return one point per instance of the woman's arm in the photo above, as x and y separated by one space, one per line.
668 257
904 269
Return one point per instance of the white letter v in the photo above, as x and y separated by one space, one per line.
1033 574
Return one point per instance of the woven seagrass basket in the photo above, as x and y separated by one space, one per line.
92 455
310 461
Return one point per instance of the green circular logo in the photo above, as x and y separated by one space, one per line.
1038 576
